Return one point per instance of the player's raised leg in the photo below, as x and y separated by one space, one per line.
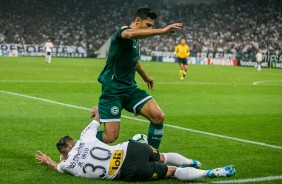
155 115
110 133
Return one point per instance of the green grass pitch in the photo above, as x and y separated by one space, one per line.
236 102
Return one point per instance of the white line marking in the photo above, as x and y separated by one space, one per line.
266 83
45 100
141 120
269 178
205 83
157 82
251 180
270 83
224 136
44 81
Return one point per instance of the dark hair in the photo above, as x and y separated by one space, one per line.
145 13
63 143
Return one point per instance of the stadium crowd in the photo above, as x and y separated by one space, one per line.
222 26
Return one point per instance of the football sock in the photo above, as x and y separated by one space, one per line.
175 159
181 73
99 135
189 174
155 135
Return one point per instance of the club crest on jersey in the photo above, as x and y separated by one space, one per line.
114 110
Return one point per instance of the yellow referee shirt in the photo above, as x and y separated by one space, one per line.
182 51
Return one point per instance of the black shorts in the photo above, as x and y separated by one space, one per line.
182 61
142 163
48 53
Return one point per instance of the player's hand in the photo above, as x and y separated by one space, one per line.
42 158
172 28
150 83
93 112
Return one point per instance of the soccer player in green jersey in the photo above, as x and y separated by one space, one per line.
119 88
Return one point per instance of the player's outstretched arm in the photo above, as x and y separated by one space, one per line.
144 33
44 159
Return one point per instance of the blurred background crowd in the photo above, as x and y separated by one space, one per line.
222 25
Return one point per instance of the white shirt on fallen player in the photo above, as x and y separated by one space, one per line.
91 158
48 46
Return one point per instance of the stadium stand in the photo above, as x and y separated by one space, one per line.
221 26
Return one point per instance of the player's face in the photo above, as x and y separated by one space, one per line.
67 149
182 41
146 23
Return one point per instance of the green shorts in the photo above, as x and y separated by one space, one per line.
112 102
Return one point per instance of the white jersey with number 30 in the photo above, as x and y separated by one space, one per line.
91 158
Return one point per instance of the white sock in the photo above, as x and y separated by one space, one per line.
49 59
175 159
189 174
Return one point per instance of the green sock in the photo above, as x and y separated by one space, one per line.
99 135
155 135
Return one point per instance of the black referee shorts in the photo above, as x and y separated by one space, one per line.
182 61
142 163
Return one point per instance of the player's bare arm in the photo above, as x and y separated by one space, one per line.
149 80
144 33
44 159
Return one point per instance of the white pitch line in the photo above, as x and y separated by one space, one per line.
267 83
269 178
251 180
157 82
141 120
224 136
45 100
43 81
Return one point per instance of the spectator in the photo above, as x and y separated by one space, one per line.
228 26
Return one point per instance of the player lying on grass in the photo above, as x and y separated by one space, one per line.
132 161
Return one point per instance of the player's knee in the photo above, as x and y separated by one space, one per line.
170 171
162 158
110 137
158 118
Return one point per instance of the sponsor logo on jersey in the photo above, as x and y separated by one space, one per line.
155 176
154 149
116 161
114 110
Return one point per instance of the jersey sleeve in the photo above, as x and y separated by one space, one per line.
176 49
188 51
90 130
117 34
60 166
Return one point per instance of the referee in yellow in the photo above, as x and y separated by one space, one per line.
182 51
